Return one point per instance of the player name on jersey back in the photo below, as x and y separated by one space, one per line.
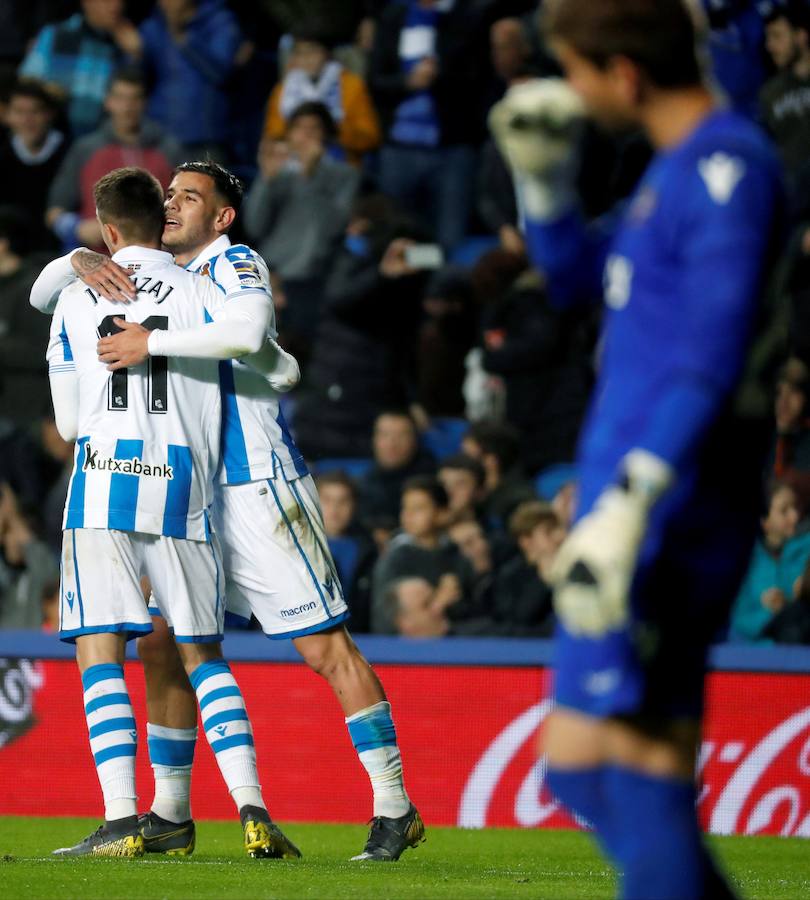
148 436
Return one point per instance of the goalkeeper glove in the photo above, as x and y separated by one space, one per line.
596 563
537 127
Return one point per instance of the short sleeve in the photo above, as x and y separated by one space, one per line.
59 354
239 269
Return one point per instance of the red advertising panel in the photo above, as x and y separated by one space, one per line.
468 737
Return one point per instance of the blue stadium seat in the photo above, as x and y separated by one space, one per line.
471 249
550 480
353 466
444 436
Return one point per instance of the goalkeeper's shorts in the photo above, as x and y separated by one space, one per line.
680 601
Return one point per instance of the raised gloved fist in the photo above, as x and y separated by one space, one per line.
537 124
596 564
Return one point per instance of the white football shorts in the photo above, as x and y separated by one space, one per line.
277 559
100 588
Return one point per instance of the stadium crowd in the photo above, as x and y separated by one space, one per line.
442 391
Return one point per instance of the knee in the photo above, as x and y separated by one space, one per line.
158 650
328 657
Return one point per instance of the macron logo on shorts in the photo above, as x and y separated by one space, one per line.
132 466
297 610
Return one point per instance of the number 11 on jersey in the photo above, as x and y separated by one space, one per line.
158 375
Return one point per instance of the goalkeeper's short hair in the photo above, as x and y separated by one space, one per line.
660 36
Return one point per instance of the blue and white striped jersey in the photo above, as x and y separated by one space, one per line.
148 442
256 443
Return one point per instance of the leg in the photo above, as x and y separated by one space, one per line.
228 730
171 706
103 607
334 655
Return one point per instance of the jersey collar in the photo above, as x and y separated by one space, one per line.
136 254
220 245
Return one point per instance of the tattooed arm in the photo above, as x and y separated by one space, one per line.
95 269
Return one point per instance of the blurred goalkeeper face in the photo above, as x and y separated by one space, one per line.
196 215
611 93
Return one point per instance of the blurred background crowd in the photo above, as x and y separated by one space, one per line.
442 392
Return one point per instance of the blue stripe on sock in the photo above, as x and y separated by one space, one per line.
166 752
123 724
227 715
114 752
373 730
101 672
219 694
106 700
236 740
207 670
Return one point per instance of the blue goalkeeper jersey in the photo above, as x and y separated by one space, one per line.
682 281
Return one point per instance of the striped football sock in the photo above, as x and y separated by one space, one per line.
375 740
227 727
171 752
113 737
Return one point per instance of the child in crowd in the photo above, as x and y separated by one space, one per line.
774 575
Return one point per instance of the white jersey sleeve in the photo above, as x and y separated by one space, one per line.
238 328
52 280
63 378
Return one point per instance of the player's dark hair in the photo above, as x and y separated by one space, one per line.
132 200
659 36
34 90
128 75
796 14
339 477
529 515
319 111
430 486
467 464
498 439
226 184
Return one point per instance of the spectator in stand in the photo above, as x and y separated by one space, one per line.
298 209
539 353
352 547
314 76
30 156
188 52
497 446
513 60
23 331
785 98
428 81
29 572
774 575
446 336
126 138
791 625
411 605
521 593
463 477
791 457
363 359
80 55
422 550
397 458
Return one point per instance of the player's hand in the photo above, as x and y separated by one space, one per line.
128 347
595 565
103 275
537 127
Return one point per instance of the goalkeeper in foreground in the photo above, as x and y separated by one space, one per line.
669 476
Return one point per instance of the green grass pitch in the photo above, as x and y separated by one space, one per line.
453 863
